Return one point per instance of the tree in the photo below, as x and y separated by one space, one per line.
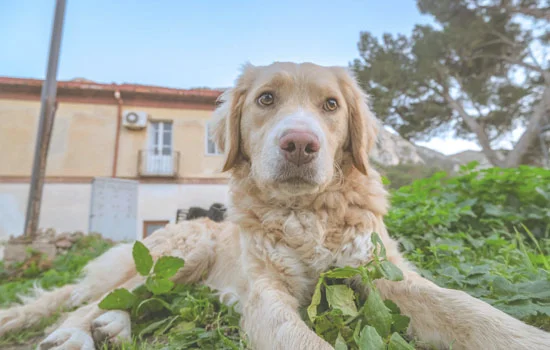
475 72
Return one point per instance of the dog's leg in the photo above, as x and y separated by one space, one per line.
445 316
271 320
79 326
99 278
104 273
43 304
114 326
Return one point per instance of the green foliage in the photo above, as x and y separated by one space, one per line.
63 269
481 203
20 279
405 174
485 232
343 316
189 316
157 283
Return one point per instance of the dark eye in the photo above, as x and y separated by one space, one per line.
330 105
266 99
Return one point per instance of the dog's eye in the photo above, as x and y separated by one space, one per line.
330 105
266 99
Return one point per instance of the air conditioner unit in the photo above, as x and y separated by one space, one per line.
134 119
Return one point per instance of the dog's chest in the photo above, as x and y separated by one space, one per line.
308 246
320 244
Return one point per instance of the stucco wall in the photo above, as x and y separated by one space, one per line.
19 123
65 207
81 144
83 140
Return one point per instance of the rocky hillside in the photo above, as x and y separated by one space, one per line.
391 150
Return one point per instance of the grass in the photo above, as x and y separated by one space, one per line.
21 278
485 232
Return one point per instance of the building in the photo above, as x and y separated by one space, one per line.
121 156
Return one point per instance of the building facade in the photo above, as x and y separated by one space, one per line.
121 156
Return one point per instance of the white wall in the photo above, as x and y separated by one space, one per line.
65 207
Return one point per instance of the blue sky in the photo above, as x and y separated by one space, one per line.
187 44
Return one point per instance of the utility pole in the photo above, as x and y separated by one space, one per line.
45 124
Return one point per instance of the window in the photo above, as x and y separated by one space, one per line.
160 140
160 156
151 226
211 147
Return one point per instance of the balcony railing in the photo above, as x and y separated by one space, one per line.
158 163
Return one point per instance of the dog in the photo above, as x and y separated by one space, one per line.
303 199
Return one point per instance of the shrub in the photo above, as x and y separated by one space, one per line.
401 175
485 232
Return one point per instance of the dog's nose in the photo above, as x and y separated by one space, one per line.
299 147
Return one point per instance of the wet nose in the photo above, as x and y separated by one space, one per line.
299 147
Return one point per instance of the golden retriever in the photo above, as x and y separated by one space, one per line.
303 199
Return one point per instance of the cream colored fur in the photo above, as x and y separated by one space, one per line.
286 226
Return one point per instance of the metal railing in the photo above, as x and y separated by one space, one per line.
157 163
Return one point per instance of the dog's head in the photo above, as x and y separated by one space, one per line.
295 124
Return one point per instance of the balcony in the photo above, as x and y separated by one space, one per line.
158 163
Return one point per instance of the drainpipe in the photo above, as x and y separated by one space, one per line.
118 123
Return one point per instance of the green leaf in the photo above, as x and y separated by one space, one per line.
493 210
184 327
394 309
159 286
377 314
168 266
324 323
342 272
400 323
369 339
142 258
390 271
141 292
152 305
356 331
119 299
543 309
398 343
340 343
167 326
502 286
375 239
519 309
154 326
315 301
536 289
341 297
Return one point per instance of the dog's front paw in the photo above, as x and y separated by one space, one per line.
67 339
113 326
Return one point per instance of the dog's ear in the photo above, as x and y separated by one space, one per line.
363 126
227 116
